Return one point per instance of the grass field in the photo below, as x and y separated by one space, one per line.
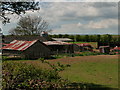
101 70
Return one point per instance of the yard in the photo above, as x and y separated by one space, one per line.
99 70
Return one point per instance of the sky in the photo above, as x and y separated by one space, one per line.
75 17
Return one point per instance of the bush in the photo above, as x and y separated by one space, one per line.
4 57
87 53
24 76
90 53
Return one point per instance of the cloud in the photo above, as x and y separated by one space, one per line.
103 24
78 0
63 11
86 17
92 27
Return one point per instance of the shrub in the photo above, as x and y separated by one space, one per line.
56 68
89 53
4 57
24 76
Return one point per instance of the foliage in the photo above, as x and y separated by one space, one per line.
30 25
24 76
89 53
19 75
85 53
4 57
113 52
10 7
57 68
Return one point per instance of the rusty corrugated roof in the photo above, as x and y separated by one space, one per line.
19 45
56 43
116 48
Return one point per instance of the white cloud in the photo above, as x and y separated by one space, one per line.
107 23
79 24
55 12
92 26
67 28
79 0
76 16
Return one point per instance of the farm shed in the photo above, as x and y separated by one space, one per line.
104 49
84 47
111 44
63 39
27 49
60 47
116 49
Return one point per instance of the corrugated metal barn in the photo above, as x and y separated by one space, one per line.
60 47
27 49
83 47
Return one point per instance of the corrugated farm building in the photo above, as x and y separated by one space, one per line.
27 49
83 47
59 47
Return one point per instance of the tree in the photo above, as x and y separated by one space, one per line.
86 38
60 35
10 7
65 36
78 38
98 38
30 25
109 38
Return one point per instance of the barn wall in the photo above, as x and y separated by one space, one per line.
12 52
76 48
61 49
37 50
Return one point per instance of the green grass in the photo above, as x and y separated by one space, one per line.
101 69
103 72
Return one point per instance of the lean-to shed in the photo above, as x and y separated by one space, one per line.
27 49
59 47
104 49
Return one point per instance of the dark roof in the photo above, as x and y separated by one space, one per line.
8 39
